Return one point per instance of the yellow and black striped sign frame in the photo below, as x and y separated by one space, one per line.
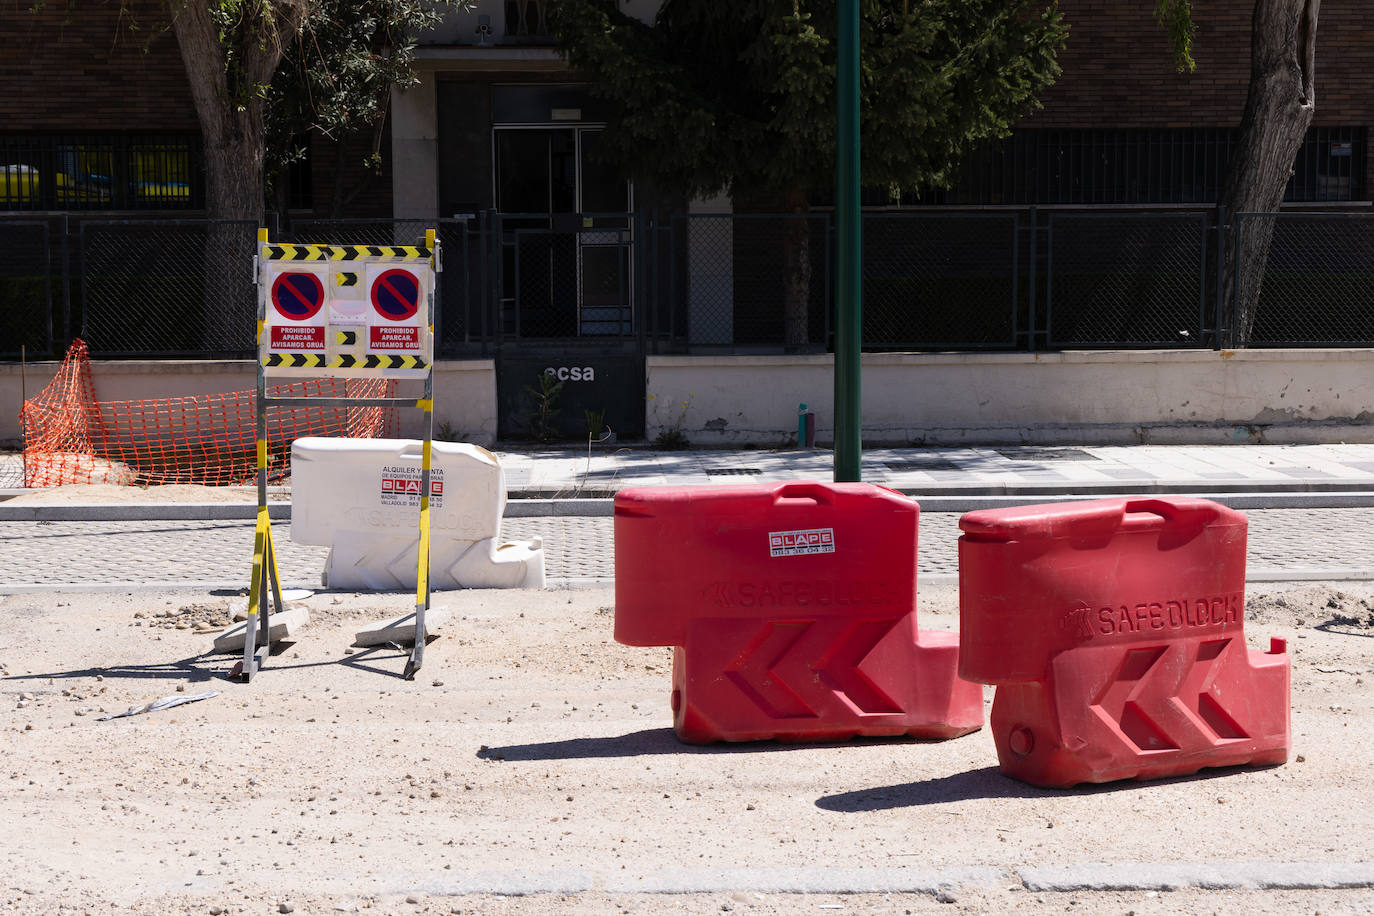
343 361
265 585
285 252
348 354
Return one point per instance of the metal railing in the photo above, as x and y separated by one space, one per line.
1012 279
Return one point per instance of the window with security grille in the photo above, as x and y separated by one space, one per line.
1132 166
525 19
101 172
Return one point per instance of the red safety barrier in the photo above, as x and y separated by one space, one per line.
1114 631
792 608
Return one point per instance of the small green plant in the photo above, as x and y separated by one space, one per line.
445 432
539 421
671 440
670 436
596 424
597 431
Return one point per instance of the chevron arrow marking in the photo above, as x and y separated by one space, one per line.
780 667
752 670
1209 715
1163 697
839 668
288 360
345 253
377 361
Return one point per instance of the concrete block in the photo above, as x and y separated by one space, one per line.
402 630
240 606
280 626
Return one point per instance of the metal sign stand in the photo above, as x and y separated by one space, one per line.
266 583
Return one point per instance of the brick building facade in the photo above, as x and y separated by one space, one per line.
96 103
83 80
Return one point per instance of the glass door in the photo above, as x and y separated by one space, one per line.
605 244
567 243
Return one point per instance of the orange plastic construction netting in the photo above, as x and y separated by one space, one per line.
70 437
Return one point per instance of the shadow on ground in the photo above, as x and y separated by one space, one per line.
654 741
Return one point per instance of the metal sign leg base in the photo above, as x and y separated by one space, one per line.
417 657
245 671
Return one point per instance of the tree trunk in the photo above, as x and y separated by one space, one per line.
1278 110
231 110
796 301
224 72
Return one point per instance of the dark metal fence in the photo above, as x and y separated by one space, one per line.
947 280
27 276
1317 286
734 277
1015 279
168 287
1137 282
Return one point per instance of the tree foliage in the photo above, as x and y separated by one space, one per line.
231 49
264 74
1177 18
337 72
715 96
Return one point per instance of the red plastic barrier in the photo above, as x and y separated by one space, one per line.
792 608
1113 630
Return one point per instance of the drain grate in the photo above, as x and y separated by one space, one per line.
921 464
1047 454
732 472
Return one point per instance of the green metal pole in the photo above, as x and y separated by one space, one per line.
849 248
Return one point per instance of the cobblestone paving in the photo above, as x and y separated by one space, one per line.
206 553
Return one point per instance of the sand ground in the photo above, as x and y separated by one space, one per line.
533 752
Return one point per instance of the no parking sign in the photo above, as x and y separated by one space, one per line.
346 309
297 297
395 295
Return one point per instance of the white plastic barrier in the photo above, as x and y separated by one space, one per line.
361 497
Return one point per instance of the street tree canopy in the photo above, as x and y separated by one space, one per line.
335 80
718 96
342 60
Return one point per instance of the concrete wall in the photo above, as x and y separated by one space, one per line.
937 399
415 150
464 390
1072 397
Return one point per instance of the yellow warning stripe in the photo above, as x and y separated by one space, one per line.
345 252
345 361
422 555
261 533
305 360
377 361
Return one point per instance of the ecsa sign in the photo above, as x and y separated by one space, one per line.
572 373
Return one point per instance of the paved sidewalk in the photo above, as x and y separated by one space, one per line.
574 481
1311 509
963 472
1284 544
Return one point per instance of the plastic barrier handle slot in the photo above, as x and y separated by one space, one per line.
802 494
1172 512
